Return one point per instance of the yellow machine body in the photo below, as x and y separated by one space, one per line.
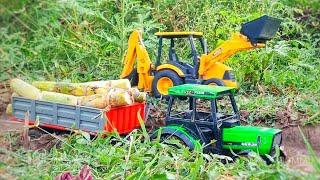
137 51
171 67
211 65
207 68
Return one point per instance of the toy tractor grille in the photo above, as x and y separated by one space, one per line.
277 140
260 30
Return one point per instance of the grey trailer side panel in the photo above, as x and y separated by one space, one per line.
49 113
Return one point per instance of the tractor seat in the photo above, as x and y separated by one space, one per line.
175 60
173 55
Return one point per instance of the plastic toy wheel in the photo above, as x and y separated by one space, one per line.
173 141
176 137
163 80
214 82
35 133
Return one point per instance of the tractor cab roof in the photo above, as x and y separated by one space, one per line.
179 34
200 91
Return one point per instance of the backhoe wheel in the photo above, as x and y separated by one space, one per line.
214 82
163 80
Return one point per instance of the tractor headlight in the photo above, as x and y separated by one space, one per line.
277 140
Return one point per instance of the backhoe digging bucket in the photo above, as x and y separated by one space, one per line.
261 30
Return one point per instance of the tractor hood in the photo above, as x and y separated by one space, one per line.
259 139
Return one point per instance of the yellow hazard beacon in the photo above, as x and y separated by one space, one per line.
206 67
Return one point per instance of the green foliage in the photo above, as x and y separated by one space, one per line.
132 158
71 40
86 40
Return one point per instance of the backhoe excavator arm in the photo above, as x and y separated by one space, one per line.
236 43
137 50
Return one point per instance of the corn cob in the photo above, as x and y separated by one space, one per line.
118 97
24 89
137 95
14 95
76 89
114 97
9 109
96 101
121 83
59 98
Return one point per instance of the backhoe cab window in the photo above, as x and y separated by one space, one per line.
180 50
183 50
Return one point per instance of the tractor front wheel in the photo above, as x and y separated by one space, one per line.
163 80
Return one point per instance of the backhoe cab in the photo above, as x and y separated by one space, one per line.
210 117
205 68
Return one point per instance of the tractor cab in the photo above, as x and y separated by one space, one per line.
208 116
207 110
194 39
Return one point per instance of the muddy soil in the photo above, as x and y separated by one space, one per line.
5 96
295 147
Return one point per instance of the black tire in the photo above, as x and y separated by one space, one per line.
174 77
35 133
133 77
216 81
168 134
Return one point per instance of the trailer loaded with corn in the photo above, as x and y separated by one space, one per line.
104 106
211 127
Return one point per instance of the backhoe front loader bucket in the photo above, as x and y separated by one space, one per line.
260 30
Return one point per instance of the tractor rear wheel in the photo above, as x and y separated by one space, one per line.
214 82
176 138
163 80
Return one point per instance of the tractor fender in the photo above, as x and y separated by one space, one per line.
180 132
216 81
171 67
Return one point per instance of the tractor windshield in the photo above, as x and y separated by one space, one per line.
194 109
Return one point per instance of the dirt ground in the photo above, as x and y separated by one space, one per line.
295 147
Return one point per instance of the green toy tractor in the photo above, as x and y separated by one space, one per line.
211 118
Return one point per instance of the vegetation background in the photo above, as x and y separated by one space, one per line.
77 40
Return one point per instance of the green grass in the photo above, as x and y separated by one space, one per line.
132 158
81 41
85 40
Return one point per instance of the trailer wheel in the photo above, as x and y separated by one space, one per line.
163 80
35 133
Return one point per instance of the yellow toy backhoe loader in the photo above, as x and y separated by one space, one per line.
206 68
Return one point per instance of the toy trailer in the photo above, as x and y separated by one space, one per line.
65 117
211 118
